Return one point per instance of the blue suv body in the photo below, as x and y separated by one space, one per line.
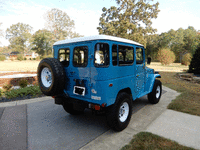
97 72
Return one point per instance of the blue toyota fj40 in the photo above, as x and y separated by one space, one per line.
104 73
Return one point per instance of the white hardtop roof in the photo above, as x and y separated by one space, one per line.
96 37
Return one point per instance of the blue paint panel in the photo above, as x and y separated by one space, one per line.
138 78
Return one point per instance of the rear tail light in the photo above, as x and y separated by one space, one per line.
97 107
103 105
110 85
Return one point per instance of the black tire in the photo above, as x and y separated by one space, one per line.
154 96
114 120
57 79
69 108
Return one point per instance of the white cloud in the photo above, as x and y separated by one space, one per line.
31 14
173 19
86 21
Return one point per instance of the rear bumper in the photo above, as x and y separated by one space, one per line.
60 100
78 103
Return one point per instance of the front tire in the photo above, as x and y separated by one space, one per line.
154 96
119 114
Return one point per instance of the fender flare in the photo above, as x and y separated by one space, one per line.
153 78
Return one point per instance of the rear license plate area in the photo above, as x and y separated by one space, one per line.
78 90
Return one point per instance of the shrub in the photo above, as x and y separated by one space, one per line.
20 57
166 56
23 83
186 59
7 87
2 57
29 58
194 66
1 92
32 90
38 58
25 58
46 56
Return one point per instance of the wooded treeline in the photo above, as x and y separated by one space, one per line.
58 26
130 19
179 41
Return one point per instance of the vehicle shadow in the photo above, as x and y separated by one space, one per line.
50 127
141 102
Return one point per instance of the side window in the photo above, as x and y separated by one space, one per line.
80 57
139 55
125 54
114 55
101 55
63 56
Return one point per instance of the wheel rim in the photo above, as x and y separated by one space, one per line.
123 112
46 77
158 92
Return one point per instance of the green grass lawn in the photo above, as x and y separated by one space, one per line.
149 141
189 100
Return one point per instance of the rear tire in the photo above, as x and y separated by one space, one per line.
51 77
154 96
119 114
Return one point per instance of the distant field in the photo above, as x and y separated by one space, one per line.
174 67
29 65
26 65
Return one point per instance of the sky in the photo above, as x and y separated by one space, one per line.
174 14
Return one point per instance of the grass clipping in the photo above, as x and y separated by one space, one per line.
146 140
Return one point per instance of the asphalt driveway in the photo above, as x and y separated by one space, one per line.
44 125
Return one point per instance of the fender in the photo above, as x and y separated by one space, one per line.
151 81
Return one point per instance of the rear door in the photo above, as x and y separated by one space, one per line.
79 71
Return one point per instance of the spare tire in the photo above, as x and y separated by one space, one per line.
51 76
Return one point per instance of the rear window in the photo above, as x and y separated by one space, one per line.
63 56
101 55
80 56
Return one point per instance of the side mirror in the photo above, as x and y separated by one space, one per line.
148 60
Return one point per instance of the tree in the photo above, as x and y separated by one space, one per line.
131 19
180 41
194 66
60 24
191 40
19 35
4 49
42 42
1 32
177 43
152 45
